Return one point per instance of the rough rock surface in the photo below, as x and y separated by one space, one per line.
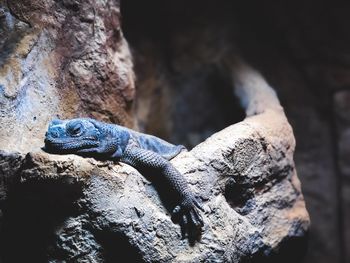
184 86
61 58
342 113
84 210
300 47
68 59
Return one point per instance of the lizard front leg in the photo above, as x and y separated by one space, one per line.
187 208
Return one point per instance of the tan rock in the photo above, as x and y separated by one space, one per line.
244 175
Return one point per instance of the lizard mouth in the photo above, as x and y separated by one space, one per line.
70 144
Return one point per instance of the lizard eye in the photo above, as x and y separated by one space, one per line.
76 129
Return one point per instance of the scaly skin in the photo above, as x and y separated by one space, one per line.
88 137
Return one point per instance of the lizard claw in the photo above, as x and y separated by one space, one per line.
176 209
198 205
189 218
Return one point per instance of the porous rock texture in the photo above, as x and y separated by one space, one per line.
61 59
68 59
95 211
302 48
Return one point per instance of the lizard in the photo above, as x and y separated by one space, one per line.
91 138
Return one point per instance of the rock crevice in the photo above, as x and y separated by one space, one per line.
244 175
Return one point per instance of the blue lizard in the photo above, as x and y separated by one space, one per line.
88 137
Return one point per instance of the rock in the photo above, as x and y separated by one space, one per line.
306 112
84 210
68 59
61 59
184 89
342 112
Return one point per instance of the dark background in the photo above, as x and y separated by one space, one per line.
181 51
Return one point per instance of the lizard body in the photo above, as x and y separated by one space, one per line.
88 137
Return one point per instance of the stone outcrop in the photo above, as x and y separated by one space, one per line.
87 210
61 59
342 116
69 59
302 50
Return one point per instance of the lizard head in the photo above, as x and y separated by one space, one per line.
69 136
